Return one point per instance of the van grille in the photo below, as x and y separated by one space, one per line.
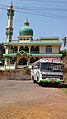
52 76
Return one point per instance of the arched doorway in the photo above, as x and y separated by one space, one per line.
36 59
22 61
32 60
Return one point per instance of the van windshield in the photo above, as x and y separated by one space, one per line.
51 67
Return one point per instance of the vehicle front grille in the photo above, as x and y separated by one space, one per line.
52 76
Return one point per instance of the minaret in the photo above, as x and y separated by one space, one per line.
9 29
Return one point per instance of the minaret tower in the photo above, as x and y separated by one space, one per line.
9 29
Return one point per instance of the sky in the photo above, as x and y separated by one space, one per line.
47 18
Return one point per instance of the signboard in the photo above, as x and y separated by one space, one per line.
51 60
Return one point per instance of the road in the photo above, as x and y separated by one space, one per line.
12 91
31 101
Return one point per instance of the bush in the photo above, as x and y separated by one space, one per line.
27 69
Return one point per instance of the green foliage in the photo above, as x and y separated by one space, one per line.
63 52
2 50
27 69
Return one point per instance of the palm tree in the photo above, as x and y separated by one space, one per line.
65 41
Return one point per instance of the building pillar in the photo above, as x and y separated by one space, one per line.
29 50
29 57
18 48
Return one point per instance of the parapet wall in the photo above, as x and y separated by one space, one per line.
18 74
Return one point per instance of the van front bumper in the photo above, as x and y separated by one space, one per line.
51 81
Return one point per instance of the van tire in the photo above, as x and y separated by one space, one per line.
58 84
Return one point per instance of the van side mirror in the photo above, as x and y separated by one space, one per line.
36 67
32 67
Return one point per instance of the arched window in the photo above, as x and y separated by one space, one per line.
32 60
24 39
20 38
32 49
11 49
37 49
48 49
27 38
26 49
21 48
12 60
15 49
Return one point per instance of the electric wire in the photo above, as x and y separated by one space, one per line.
37 8
41 8
43 14
47 1
35 12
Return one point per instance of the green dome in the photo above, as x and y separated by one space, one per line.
26 30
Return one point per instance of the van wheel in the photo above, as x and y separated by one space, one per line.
58 85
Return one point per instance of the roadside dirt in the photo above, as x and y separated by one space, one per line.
34 111
32 101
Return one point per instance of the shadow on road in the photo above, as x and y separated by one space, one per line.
63 86
50 85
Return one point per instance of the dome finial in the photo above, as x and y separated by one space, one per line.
11 2
11 5
26 23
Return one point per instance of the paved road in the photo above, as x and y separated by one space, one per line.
12 91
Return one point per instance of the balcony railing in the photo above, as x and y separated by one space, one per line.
8 67
34 52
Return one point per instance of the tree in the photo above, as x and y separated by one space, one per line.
65 41
2 50
63 52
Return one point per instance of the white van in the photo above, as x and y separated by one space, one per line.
47 70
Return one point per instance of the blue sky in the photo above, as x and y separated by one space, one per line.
43 26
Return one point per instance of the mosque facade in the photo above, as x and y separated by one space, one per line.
26 50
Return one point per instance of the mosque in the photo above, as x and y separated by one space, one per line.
26 50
